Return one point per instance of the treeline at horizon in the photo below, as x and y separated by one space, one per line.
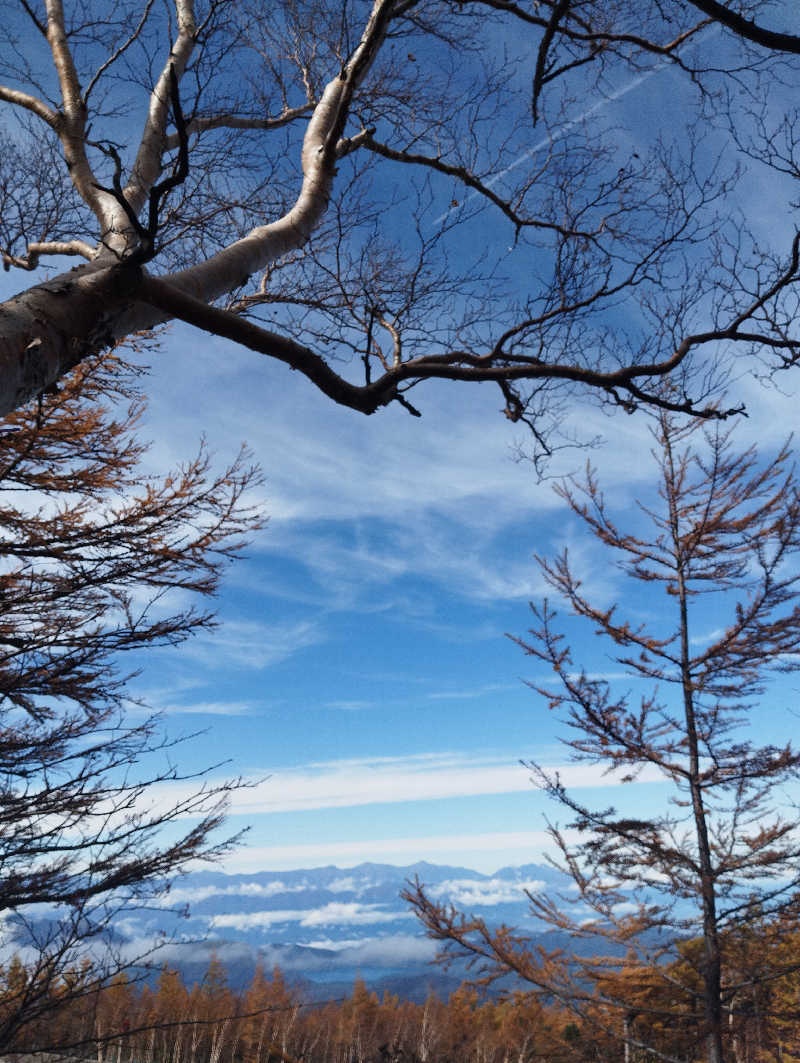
271 1021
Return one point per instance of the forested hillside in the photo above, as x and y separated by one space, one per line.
162 1019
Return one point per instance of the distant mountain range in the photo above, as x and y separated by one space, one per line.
326 926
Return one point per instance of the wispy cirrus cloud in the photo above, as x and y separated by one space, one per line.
342 783
361 503
393 780
424 777
207 708
385 554
481 851
351 704
183 695
253 644
472 692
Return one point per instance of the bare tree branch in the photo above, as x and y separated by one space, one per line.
30 260
748 28
281 186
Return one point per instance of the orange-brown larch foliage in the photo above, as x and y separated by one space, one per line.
91 550
723 852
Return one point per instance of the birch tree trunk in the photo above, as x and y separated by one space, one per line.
367 227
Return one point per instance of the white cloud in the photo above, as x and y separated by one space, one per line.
207 708
252 644
597 677
393 950
339 784
335 913
332 944
351 705
363 502
392 780
480 892
625 908
707 637
385 555
178 895
483 852
338 465
479 691
346 884
351 914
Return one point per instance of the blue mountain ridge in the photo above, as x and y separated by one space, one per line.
326 926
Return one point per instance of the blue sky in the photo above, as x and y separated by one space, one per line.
361 669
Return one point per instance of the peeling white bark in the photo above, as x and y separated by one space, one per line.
49 328
71 128
29 103
36 249
147 167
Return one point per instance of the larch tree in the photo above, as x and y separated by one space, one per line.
96 560
671 891
380 193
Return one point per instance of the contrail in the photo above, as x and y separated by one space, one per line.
563 130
